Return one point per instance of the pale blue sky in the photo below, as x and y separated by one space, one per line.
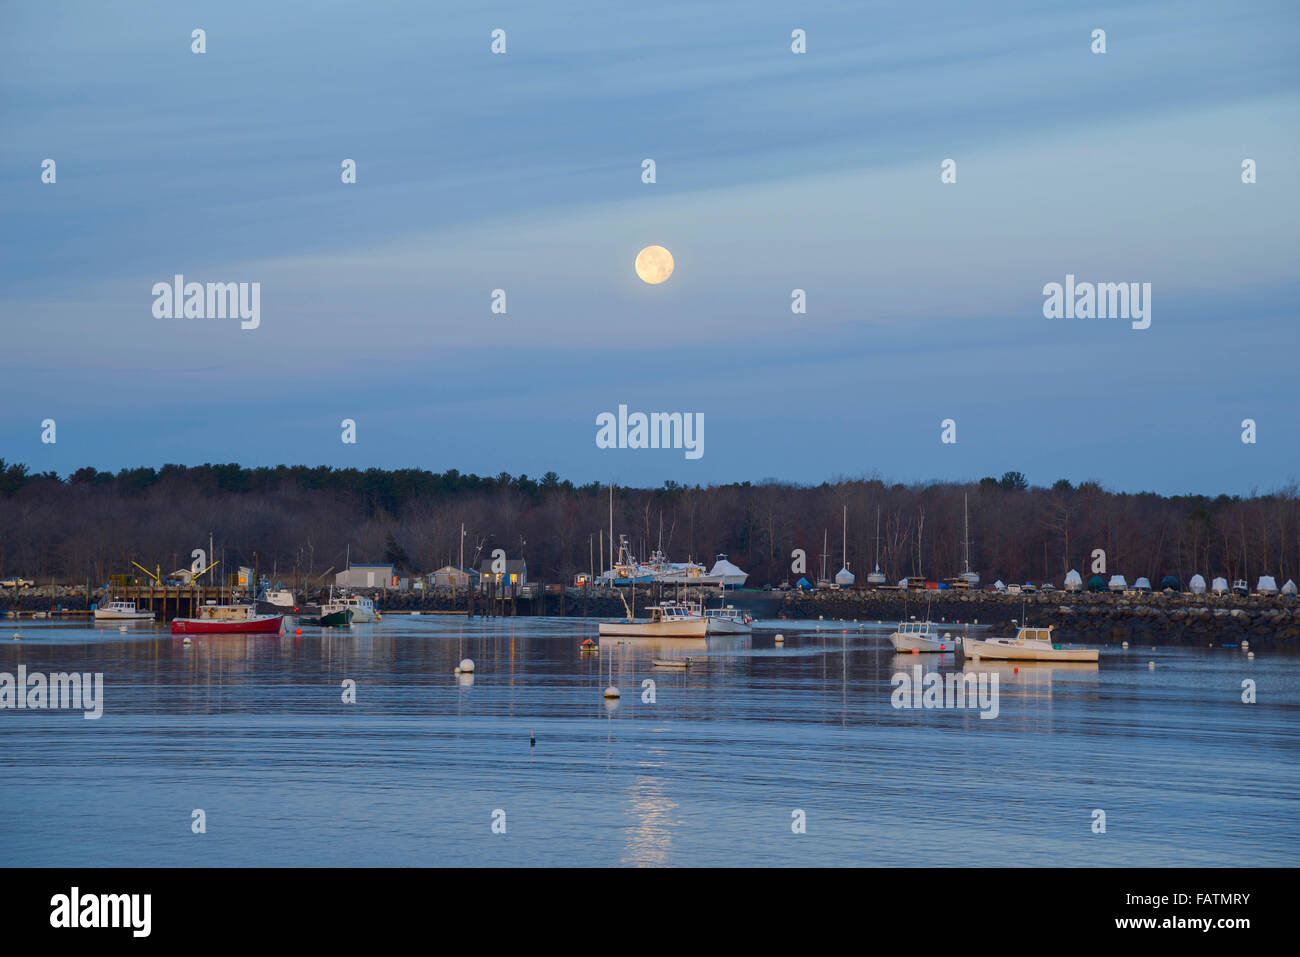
775 171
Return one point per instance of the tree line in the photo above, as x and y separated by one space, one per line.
299 521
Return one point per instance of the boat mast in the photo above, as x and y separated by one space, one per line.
877 538
844 540
611 524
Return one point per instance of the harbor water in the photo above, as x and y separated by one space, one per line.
759 753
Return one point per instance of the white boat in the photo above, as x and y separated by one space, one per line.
727 621
121 611
728 574
1030 644
669 619
362 608
921 636
276 601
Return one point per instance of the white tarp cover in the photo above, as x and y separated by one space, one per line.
1117 583
845 577
1266 586
1073 580
1197 585
1219 586
730 574
1289 588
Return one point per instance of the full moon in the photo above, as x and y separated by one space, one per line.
654 264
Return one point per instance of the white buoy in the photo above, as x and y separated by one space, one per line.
1124 644
612 692
186 641
821 617
1151 665
17 637
466 665
122 629
1245 643
780 639
1250 654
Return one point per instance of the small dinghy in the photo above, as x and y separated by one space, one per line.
671 662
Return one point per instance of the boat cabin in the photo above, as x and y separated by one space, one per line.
223 613
924 628
674 611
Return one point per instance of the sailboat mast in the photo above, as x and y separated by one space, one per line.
611 524
844 539
965 507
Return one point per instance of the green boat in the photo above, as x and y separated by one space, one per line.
331 616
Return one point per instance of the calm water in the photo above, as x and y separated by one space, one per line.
254 731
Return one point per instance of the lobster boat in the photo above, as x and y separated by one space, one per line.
227 620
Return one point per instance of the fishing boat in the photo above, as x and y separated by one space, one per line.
276 601
1029 644
217 619
361 607
728 620
669 619
121 611
921 636
333 614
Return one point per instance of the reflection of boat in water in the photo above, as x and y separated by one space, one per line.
227 620
121 611
1034 672
1029 644
727 621
668 619
921 636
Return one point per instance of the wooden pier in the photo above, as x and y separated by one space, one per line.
173 601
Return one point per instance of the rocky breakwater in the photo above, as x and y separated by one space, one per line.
1096 618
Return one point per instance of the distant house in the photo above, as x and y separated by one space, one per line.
515 574
366 576
452 576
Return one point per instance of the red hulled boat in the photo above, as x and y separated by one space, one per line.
228 620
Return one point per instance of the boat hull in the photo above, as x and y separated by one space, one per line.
256 625
997 651
921 643
725 626
101 615
688 628
335 619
